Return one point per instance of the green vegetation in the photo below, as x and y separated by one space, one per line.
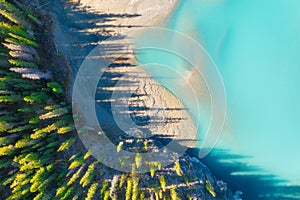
40 154
210 188
163 183
178 168
30 162
89 175
174 195
129 189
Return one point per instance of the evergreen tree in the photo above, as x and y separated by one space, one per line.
104 189
78 161
7 150
25 142
66 145
56 88
163 183
14 98
128 189
68 193
7 28
92 191
89 175
21 48
37 97
14 18
135 187
55 113
21 55
173 194
24 40
22 63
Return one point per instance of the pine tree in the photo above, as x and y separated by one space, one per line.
142 196
49 180
173 194
20 177
42 177
89 175
66 145
38 196
68 193
38 178
56 88
14 98
21 48
39 133
22 63
9 179
92 191
10 7
87 155
128 189
210 188
163 183
135 187
13 18
21 55
31 161
24 40
20 129
7 150
104 189
78 161
55 113
25 142
6 126
61 190
7 28
66 129
37 97
178 168
34 19
75 176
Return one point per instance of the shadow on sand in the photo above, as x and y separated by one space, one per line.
77 31
81 31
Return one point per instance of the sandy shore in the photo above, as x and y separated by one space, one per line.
157 110
148 13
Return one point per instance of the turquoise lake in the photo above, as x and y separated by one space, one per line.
256 47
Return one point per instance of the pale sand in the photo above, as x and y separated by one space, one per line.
167 114
152 12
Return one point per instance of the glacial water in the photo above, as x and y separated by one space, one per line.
256 47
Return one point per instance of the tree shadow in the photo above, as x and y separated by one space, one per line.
254 182
81 31
78 31
131 102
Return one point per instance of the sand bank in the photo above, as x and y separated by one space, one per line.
150 105
148 13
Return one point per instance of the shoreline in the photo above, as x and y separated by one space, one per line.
87 31
175 120
147 13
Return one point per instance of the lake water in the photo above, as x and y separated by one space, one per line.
256 47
